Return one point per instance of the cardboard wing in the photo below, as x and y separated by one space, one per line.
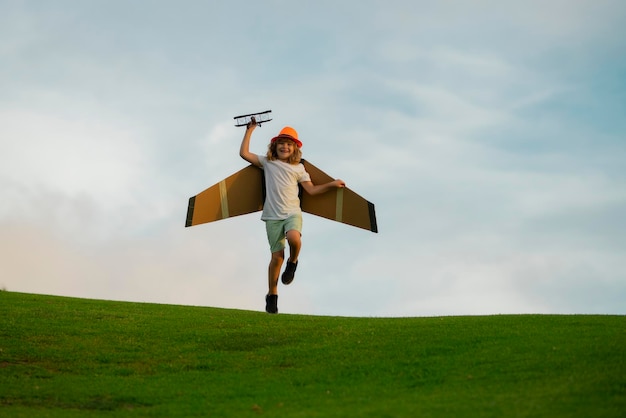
238 194
243 192
341 205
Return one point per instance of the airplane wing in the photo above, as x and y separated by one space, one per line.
341 205
238 194
244 192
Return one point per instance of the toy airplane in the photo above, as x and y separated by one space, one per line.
244 192
260 118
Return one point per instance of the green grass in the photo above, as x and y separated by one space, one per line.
77 357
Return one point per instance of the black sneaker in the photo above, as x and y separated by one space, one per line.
271 304
289 272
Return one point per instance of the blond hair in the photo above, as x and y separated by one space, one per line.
294 158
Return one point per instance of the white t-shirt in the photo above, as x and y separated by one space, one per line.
281 183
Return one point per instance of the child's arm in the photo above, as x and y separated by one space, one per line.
244 150
313 189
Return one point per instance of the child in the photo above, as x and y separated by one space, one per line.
281 209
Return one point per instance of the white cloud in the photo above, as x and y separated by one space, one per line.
72 155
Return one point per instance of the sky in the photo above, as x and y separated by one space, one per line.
490 135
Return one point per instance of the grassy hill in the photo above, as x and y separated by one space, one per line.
76 357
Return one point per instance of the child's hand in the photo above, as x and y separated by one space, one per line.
252 124
339 183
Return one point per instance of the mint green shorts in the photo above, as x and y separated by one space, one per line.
276 230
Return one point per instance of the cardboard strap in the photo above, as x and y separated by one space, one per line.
224 199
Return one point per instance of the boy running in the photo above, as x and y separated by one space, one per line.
281 209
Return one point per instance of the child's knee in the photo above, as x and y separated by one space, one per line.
293 236
278 257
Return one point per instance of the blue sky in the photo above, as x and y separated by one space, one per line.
490 135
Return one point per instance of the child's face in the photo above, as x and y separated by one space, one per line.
284 148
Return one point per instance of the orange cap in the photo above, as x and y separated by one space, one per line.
289 133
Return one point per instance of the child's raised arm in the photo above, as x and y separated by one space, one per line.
244 150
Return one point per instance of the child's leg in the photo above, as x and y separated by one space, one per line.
273 271
294 238
276 238
293 226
